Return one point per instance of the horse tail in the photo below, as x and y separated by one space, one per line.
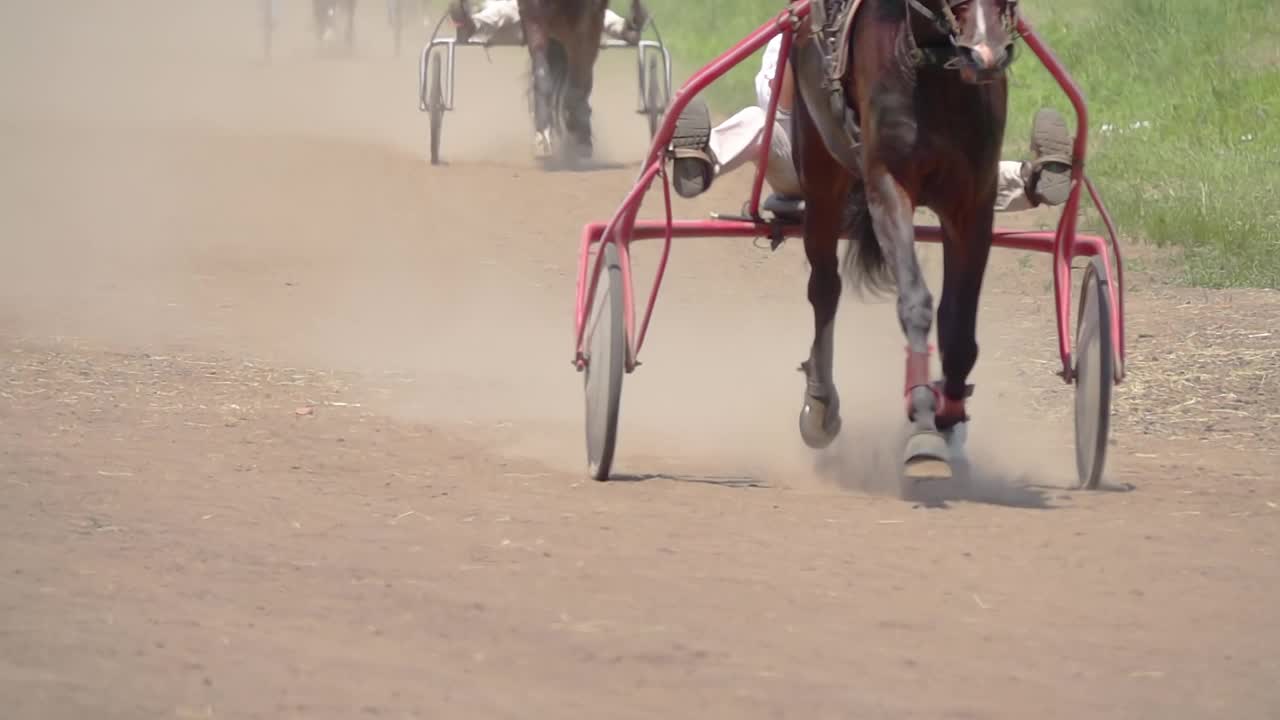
558 60
864 265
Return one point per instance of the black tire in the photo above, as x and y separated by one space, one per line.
655 98
435 104
1094 376
606 356
319 29
349 35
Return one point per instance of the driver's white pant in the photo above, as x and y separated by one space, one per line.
497 16
614 24
1011 189
737 140
498 20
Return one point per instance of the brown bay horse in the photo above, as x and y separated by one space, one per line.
563 38
924 90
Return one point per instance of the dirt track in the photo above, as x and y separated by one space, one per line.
288 429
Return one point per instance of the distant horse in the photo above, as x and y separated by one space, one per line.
563 37
326 14
918 121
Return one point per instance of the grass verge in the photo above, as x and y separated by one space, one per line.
1184 98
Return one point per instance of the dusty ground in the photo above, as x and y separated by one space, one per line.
288 429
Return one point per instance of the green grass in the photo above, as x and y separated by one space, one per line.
696 31
1200 173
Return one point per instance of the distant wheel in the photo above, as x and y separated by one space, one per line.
606 356
349 33
268 26
395 17
435 104
325 29
655 98
1095 376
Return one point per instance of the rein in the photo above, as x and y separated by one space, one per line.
947 23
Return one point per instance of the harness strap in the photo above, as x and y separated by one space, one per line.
947 23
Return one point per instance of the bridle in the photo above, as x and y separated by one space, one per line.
949 25
946 23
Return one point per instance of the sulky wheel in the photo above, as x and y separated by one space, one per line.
606 357
1094 375
349 32
655 98
268 26
435 105
395 18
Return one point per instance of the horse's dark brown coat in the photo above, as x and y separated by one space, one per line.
931 137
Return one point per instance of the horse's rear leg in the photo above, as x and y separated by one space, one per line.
581 78
577 122
926 454
544 89
544 79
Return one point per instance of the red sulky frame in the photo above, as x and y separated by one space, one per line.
1064 244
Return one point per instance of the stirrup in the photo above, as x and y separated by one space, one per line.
785 207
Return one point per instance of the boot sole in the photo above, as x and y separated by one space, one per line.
1051 146
691 142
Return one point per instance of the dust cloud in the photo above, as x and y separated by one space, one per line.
165 188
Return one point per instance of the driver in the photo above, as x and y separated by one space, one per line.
499 21
703 152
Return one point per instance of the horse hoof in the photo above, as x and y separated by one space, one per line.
542 145
819 423
927 456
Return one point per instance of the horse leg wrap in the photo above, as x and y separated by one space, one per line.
918 377
948 411
951 410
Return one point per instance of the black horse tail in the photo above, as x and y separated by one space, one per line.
864 265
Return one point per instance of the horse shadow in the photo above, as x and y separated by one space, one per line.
983 488
996 488
558 164
735 482
876 471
